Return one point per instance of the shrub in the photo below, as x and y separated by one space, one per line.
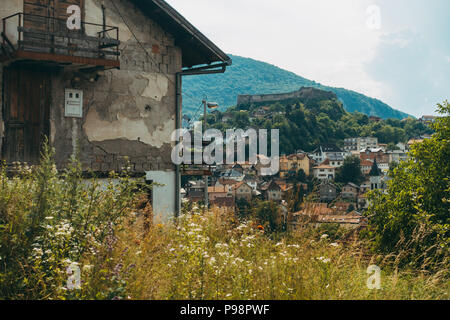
412 218
50 221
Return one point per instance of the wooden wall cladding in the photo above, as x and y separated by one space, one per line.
51 8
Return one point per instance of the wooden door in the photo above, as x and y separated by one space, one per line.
26 113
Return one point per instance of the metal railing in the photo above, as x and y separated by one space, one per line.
47 34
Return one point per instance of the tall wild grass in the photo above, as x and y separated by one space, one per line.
55 227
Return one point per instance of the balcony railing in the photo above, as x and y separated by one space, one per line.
50 37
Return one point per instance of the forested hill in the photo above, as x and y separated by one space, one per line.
248 76
315 117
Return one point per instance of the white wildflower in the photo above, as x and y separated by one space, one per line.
221 245
38 252
324 260
334 244
87 267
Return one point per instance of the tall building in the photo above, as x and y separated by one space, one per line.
357 144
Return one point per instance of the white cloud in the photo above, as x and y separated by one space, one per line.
326 41
330 42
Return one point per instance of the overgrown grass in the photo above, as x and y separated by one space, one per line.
215 257
50 221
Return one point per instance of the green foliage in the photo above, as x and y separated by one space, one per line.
332 231
243 208
412 218
392 147
202 256
50 221
350 171
315 119
267 213
295 198
248 76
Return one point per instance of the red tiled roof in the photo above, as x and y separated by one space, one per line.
237 185
299 156
217 189
366 163
227 181
314 209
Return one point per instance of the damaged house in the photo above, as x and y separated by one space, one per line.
101 79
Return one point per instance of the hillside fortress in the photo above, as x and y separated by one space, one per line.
304 93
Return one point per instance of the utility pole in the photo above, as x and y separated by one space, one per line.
206 106
204 130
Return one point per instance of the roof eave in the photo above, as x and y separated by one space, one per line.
215 53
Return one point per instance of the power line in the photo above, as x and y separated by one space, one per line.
196 113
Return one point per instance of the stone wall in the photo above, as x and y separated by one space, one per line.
128 114
310 93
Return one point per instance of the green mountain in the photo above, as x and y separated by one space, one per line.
248 76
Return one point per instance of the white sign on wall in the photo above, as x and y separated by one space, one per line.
74 103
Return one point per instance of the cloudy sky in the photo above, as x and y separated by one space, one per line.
397 51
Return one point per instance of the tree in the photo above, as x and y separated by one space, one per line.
319 121
392 147
350 171
296 196
297 176
243 207
412 219
241 119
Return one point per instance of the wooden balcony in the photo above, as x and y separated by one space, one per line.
47 40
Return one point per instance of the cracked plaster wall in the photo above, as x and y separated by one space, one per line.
128 114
